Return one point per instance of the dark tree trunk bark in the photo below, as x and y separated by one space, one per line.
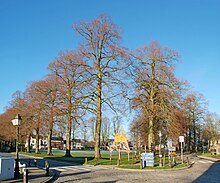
50 130
98 116
68 136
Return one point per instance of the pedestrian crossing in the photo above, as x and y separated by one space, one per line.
205 162
76 168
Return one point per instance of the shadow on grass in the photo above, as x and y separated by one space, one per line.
74 159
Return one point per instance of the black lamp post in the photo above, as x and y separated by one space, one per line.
16 122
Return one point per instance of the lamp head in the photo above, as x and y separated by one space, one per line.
17 120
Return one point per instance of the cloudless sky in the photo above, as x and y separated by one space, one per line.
32 33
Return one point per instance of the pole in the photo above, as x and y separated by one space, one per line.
160 152
25 176
182 152
16 173
47 168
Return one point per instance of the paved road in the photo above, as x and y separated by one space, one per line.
203 171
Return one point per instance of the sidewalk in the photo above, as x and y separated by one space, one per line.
35 175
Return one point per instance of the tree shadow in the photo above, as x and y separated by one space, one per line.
212 175
83 178
73 159
59 175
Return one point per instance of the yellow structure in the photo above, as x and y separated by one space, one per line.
120 137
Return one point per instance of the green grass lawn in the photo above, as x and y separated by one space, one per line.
156 166
81 156
87 157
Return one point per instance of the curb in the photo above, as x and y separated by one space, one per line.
157 170
150 170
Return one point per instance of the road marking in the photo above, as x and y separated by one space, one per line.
75 168
69 168
207 161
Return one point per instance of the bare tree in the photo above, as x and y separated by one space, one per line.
100 48
116 124
210 129
36 97
194 107
156 85
105 131
69 70
51 111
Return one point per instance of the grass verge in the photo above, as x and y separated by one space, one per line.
87 157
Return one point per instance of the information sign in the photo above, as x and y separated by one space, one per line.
172 148
147 159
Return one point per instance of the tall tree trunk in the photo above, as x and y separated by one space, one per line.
37 140
49 147
98 115
28 142
194 136
50 131
189 139
68 136
98 130
152 103
151 135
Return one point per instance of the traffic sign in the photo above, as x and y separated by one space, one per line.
181 138
120 137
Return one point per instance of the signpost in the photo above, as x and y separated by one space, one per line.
181 140
120 144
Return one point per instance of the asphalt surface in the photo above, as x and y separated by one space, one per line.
203 170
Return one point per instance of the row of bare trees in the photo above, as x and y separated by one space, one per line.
81 82
101 75
189 117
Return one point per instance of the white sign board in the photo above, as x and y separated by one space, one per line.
172 149
147 159
181 138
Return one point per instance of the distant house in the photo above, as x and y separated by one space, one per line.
56 143
42 143
77 144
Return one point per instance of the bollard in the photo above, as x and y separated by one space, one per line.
35 162
187 160
47 168
86 161
170 162
118 162
25 176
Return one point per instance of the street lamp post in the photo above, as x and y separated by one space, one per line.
160 155
16 122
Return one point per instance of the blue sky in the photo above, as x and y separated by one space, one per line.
32 33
